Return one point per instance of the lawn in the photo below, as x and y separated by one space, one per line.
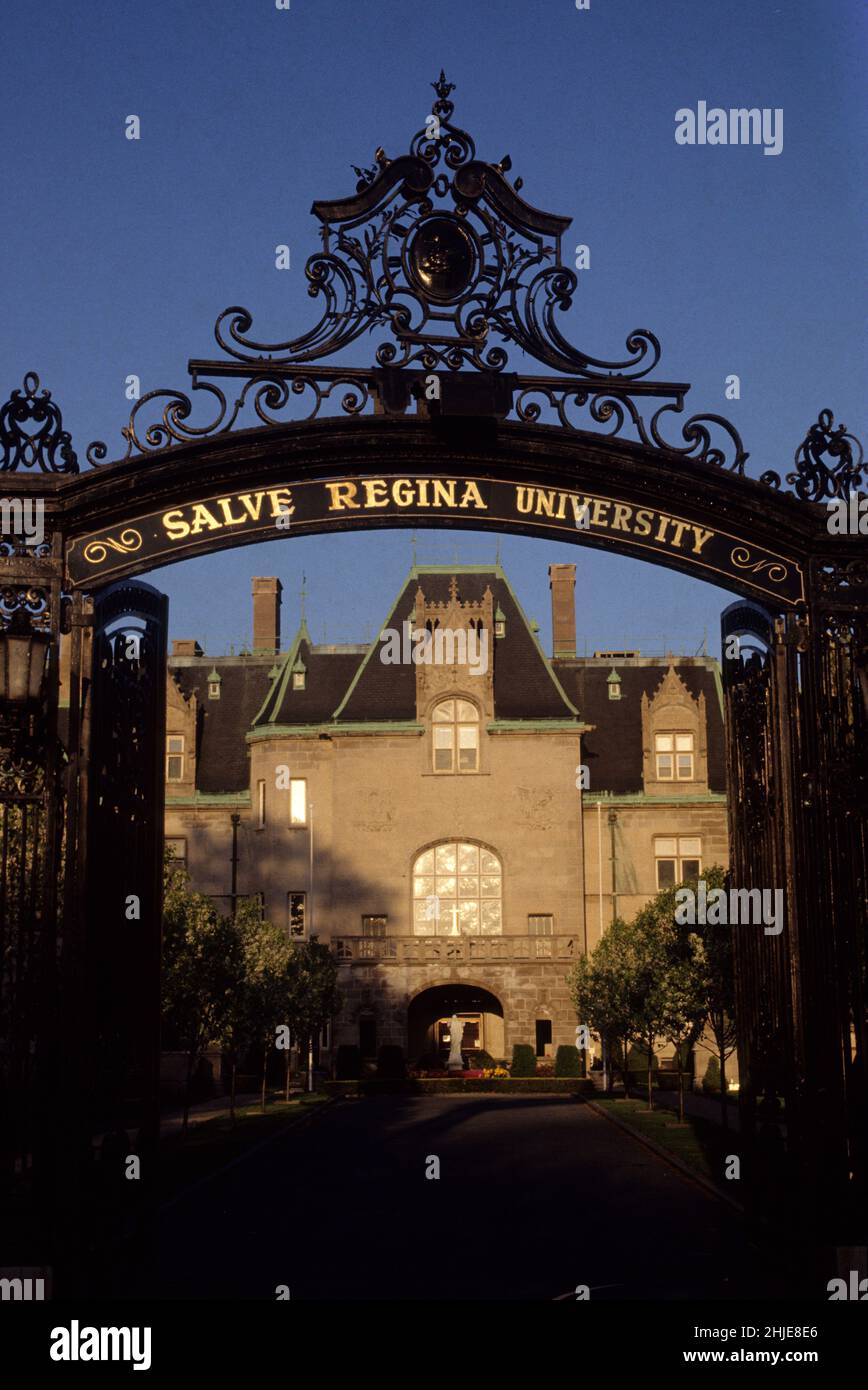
701 1145
212 1144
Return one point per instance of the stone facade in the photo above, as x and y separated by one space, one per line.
428 820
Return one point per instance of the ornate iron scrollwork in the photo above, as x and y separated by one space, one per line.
814 480
32 433
437 249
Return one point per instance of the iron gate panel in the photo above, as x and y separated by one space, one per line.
124 835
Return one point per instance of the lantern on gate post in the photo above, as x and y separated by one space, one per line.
23 663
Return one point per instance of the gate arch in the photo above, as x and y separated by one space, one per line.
437 251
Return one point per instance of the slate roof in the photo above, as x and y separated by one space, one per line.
613 749
349 684
222 763
524 685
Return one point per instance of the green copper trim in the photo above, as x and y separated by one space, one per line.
211 799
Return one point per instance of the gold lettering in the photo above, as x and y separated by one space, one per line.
471 493
545 503
444 490
225 505
402 491
343 495
524 498
176 529
376 493
642 523
598 508
201 518
563 504
281 501
680 528
701 538
423 492
622 516
661 529
246 499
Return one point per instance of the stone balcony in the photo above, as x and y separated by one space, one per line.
404 950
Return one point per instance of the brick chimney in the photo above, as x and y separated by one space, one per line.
266 615
562 582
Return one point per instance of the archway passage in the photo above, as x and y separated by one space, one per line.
428 1028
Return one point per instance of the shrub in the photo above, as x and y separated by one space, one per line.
348 1062
523 1060
390 1062
711 1080
567 1061
478 1057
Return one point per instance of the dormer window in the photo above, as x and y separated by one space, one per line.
299 675
455 729
499 622
214 683
613 680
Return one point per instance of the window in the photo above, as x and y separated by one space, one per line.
540 924
297 801
678 860
260 805
374 925
296 914
175 758
455 728
471 1032
368 1035
298 679
177 844
213 690
543 1036
674 757
457 890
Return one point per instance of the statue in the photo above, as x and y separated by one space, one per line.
456 1034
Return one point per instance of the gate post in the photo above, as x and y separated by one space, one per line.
833 770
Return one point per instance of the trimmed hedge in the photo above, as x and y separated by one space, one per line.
529 1085
523 1060
568 1061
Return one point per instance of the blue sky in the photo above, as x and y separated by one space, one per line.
118 255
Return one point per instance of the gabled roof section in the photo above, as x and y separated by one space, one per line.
613 749
525 684
328 673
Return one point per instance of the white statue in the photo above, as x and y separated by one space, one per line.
456 1035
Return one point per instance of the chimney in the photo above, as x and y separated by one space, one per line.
266 615
562 582
185 646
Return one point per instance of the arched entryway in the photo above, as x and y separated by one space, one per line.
428 1022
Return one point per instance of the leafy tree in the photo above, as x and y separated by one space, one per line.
600 990
202 969
257 1008
720 987
312 993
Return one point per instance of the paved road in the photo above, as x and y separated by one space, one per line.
536 1195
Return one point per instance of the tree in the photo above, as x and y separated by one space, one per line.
202 969
312 993
643 946
257 1007
600 990
720 988
264 1004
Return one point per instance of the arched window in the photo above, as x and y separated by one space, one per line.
455 731
457 888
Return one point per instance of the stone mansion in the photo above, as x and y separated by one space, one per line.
459 832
